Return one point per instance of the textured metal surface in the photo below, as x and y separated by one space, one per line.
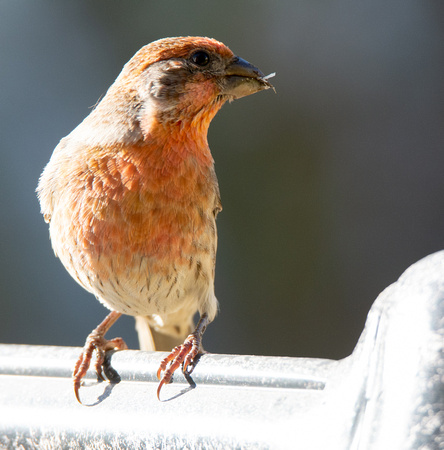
389 394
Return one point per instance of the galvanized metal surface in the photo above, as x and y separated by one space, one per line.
389 394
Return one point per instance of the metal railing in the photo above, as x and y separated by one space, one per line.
389 394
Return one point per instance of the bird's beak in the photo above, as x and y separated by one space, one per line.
242 78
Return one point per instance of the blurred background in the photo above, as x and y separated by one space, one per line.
331 187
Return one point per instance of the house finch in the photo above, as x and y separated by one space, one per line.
131 197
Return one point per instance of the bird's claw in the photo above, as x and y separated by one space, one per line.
95 342
184 354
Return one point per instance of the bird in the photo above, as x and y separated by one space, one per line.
131 198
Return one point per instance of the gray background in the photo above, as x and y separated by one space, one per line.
331 188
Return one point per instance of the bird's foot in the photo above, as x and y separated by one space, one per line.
94 342
185 354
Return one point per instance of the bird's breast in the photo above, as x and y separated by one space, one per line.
139 222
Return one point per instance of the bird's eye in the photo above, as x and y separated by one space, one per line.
200 58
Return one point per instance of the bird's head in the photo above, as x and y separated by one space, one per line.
182 82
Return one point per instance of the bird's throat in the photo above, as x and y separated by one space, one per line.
176 143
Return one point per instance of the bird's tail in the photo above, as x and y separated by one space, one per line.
153 336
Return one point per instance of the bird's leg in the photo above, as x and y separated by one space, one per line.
183 354
96 341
